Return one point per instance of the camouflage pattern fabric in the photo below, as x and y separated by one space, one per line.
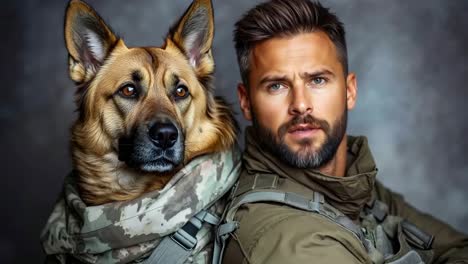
127 232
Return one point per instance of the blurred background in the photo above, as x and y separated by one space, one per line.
410 58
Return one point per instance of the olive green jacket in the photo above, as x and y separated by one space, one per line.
273 233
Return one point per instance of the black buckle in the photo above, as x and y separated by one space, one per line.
186 236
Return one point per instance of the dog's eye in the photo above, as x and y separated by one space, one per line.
128 91
181 92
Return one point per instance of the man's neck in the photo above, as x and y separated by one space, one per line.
337 166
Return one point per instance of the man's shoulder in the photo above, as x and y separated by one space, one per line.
255 218
266 228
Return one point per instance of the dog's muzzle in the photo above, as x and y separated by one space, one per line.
154 147
163 135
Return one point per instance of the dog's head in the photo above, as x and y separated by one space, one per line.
152 107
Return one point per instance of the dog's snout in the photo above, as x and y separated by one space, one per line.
163 135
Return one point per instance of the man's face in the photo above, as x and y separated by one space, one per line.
298 98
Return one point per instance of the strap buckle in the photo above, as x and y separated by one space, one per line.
186 236
184 239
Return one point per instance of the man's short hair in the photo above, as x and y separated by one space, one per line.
283 18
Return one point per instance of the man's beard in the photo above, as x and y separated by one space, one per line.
306 156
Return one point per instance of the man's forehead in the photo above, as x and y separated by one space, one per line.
314 48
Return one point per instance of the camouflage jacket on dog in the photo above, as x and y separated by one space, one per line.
124 232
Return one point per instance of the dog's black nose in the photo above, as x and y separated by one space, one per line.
163 135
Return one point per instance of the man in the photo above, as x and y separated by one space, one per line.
308 191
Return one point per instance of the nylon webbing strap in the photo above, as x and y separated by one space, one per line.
291 199
222 235
259 181
168 251
178 247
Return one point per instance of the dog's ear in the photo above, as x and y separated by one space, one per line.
193 34
88 40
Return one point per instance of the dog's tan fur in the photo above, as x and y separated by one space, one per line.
104 117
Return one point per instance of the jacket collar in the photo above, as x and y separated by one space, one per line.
348 194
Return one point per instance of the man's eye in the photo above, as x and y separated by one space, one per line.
275 87
318 81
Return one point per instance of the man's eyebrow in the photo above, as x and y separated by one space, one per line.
273 78
314 74
304 75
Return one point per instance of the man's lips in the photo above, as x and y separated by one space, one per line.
303 131
303 128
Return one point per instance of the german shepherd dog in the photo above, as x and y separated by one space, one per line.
144 112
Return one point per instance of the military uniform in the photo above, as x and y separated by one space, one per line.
291 232
129 231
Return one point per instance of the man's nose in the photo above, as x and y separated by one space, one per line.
300 101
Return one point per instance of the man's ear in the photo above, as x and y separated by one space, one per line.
244 101
193 35
351 91
88 40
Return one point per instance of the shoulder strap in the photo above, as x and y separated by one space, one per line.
264 188
178 247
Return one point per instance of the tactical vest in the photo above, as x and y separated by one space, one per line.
386 238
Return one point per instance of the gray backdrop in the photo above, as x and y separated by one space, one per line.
410 58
